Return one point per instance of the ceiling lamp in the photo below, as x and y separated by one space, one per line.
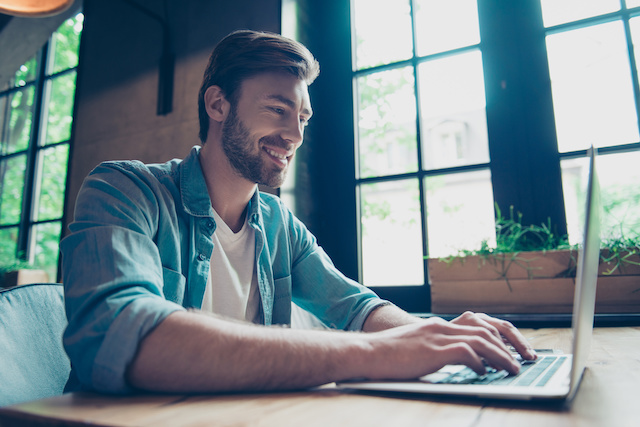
34 8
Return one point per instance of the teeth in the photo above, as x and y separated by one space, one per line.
275 154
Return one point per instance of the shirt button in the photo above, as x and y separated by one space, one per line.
201 257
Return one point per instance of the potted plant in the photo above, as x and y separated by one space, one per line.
532 270
18 272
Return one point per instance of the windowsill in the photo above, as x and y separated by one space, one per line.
546 320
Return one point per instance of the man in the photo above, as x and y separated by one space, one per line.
149 241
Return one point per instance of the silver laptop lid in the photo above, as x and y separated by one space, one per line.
586 277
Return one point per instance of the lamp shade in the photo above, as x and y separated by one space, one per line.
34 8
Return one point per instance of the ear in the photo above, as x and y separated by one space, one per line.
216 104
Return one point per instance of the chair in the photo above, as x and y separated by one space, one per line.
33 363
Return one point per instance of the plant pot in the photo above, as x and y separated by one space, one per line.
523 265
528 282
609 265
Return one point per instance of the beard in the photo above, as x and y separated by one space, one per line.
245 157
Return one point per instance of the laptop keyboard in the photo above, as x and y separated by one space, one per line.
536 372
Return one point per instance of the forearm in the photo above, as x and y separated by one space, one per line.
194 352
386 317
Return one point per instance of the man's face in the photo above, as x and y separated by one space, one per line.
265 128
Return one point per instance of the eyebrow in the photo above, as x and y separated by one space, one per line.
289 103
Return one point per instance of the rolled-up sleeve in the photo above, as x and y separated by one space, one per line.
113 278
338 301
320 288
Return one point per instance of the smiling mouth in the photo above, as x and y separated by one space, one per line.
278 157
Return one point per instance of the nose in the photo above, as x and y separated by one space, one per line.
293 131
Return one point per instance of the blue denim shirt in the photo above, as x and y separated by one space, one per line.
139 249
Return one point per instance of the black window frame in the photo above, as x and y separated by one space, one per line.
525 162
28 222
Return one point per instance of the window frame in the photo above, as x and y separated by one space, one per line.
519 107
42 83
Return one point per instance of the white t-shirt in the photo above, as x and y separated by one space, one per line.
232 287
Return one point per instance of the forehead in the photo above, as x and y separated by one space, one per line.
277 86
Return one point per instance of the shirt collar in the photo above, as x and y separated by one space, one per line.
254 212
195 197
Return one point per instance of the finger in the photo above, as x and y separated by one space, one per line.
501 328
463 354
483 349
512 336
476 319
483 331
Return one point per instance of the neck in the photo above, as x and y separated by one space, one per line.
230 193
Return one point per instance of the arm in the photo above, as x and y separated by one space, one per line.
195 352
386 317
117 288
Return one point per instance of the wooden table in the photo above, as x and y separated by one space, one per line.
609 396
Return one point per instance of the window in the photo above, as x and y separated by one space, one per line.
423 174
593 66
464 105
36 112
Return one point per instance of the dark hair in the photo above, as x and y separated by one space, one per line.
244 54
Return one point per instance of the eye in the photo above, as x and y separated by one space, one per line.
278 110
304 121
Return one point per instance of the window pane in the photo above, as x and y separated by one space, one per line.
556 12
391 234
620 194
591 85
15 122
387 123
47 241
59 110
26 73
65 43
53 180
11 188
443 25
382 32
633 3
8 244
574 188
460 213
454 119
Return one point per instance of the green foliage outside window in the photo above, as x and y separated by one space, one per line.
17 133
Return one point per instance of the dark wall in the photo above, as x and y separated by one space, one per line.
117 88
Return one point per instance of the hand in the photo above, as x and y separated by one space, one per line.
420 348
501 329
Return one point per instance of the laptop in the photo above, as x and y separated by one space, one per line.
552 375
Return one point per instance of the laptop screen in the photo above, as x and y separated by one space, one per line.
586 276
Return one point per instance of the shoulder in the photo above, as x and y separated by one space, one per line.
270 201
137 169
273 209
277 216
129 183
134 175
